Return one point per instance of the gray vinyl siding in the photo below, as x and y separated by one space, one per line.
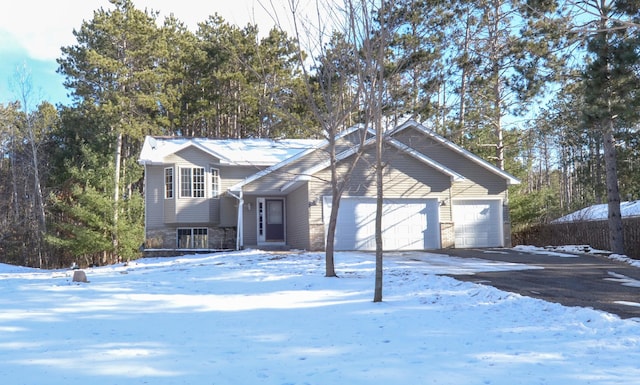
183 211
229 176
190 210
228 211
297 204
479 181
154 196
404 177
250 221
272 183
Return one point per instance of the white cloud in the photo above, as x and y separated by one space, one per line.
42 27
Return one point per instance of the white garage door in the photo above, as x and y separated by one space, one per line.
477 223
407 224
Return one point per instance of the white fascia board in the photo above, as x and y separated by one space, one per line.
343 155
266 171
155 155
455 177
202 148
299 179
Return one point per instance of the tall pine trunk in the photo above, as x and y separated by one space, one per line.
616 230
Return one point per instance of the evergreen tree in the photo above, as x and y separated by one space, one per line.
112 73
611 80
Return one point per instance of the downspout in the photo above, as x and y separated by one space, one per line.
240 223
144 188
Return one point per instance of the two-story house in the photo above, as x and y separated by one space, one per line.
220 194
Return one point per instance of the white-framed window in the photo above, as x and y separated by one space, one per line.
198 182
215 182
168 183
192 238
192 182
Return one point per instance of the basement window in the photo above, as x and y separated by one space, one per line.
193 238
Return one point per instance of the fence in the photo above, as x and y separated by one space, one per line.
592 233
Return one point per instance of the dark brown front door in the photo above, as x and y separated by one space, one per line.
274 220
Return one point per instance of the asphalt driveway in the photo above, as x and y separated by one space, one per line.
585 280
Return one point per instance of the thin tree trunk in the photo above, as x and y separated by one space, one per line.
14 177
116 193
379 205
39 201
377 93
463 84
336 194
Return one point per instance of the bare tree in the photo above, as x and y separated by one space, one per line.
24 85
333 95
371 78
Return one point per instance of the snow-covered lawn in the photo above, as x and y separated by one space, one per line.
253 317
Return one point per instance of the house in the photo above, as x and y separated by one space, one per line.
212 194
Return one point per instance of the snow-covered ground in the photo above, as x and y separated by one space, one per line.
253 317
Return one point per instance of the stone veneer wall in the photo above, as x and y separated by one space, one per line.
316 237
165 238
447 235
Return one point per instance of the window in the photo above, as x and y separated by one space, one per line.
185 182
200 239
168 183
192 238
215 182
192 182
198 182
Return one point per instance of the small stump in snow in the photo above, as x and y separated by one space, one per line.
79 276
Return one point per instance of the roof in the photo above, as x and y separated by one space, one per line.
284 162
255 152
389 138
600 212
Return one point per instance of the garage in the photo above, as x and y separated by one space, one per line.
407 224
478 223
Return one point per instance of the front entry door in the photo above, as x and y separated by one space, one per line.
274 220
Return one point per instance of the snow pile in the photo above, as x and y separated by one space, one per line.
600 212
574 250
253 317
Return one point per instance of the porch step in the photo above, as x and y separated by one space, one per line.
267 247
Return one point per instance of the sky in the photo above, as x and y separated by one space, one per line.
252 317
32 32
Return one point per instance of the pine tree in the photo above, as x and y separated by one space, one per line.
112 74
611 82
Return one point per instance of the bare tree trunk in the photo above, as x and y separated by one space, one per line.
39 200
498 124
24 82
339 101
377 297
463 84
14 177
377 96
336 195
116 193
